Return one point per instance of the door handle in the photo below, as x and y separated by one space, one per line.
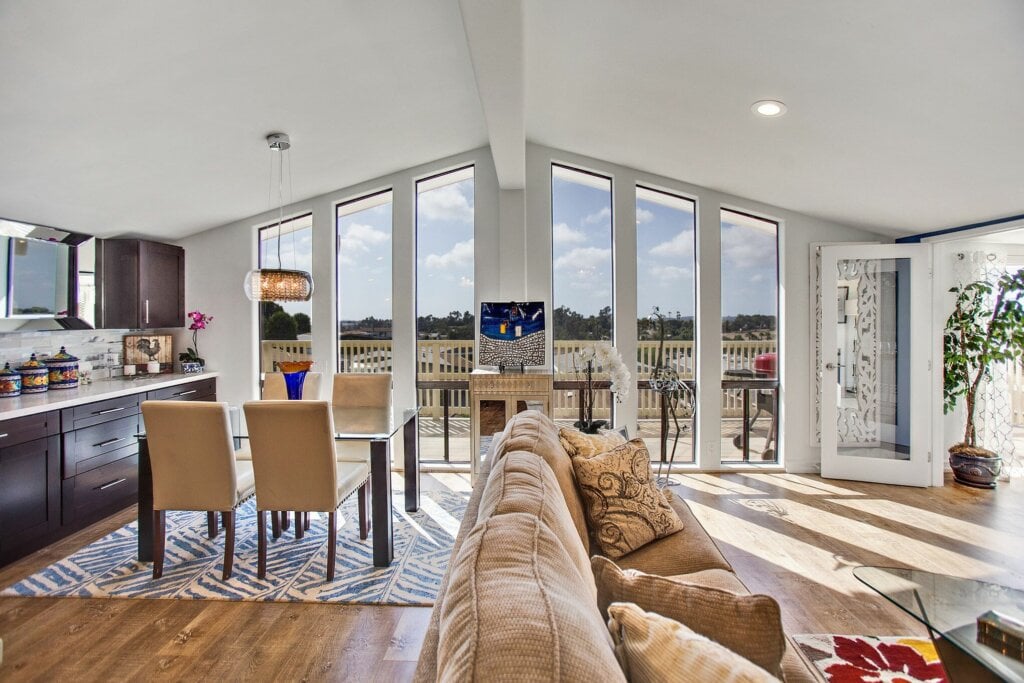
147 311
830 366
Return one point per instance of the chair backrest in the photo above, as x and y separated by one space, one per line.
292 445
275 390
192 455
362 390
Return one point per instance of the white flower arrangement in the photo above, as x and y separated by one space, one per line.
606 358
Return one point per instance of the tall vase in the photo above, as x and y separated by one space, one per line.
294 373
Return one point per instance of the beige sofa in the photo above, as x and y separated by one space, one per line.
518 601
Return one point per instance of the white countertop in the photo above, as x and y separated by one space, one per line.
99 390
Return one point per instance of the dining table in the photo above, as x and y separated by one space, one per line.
375 426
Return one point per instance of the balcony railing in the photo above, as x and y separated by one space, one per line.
452 360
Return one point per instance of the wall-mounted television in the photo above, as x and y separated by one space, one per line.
512 333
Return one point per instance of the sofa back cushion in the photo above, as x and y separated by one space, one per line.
749 625
533 431
513 612
522 482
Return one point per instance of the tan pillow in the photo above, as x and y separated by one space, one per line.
514 612
654 649
625 510
578 444
749 625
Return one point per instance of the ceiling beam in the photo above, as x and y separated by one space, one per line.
494 33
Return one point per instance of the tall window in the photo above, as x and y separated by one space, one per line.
581 287
445 311
750 308
285 329
364 284
666 284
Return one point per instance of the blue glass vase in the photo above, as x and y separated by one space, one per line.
293 382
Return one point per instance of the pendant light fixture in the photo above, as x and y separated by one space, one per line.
278 284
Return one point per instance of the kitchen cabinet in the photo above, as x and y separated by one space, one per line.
29 482
140 284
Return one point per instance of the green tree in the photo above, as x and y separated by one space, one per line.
280 326
303 323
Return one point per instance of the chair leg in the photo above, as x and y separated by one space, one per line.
285 520
275 521
212 529
332 542
229 542
159 530
261 543
305 520
299 526
364 509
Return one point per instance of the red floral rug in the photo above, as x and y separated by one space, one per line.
870 659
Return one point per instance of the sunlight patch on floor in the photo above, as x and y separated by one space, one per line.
890 545
440 515
454 481
798 485
710 483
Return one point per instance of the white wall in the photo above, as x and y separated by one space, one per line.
513 261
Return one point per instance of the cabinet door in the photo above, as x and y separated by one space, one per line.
161 285
29 491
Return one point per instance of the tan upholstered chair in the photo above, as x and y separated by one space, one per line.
360 390
194 468
274 388
292 444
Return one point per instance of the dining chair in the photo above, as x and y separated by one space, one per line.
360 390
292 445
194 468
274 388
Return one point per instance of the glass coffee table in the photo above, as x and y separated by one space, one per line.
950 606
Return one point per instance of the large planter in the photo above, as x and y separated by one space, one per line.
979 471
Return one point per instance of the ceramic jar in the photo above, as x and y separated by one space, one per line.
10 382
63 368
35 376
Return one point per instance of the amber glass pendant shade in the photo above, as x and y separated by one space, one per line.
278 285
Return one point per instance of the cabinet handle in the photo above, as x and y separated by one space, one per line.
186 393
147 311
4 435
111 483
109 410
108 442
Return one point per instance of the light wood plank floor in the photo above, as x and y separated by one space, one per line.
795 537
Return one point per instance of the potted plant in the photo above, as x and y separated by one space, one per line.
191 361
600 356
986 327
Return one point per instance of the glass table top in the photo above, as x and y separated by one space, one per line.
951 606
359 424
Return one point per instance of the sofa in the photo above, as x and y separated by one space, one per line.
518 601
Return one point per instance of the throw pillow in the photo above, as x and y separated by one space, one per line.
654 649
625 510
578 444
749 625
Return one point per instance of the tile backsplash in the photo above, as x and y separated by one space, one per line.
97 346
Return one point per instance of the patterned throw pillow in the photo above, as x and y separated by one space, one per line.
652 648
625 510
578 444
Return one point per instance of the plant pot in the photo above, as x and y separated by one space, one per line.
590 427
975 469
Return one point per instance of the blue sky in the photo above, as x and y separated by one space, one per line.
364 263
444 249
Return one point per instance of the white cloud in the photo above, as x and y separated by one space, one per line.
563 234
745 248
460 255
359 238
680 246
670 273
445 203
584 259
602 216
643 216
465 282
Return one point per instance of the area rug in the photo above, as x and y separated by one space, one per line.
296 569
871 659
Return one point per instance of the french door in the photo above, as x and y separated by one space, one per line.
875 363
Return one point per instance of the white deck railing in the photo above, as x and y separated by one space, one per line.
453 360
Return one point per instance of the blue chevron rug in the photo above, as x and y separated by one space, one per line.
296 569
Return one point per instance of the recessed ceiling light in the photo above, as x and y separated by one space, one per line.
769 108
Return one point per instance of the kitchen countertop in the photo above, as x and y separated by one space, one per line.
99 390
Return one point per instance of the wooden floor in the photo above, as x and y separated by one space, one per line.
795 537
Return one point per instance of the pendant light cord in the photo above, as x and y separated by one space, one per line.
280 206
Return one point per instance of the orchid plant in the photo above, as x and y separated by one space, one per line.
199 322
604 357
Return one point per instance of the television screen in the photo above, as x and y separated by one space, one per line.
512 333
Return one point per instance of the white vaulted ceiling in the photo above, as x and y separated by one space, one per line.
149 117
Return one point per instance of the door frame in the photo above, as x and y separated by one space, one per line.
919 470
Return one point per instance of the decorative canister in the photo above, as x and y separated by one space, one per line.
35 376
10 382
63 370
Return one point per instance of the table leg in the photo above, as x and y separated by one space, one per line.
380 483
412 464
145 519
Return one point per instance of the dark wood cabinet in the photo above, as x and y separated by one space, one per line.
140 284
29 483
